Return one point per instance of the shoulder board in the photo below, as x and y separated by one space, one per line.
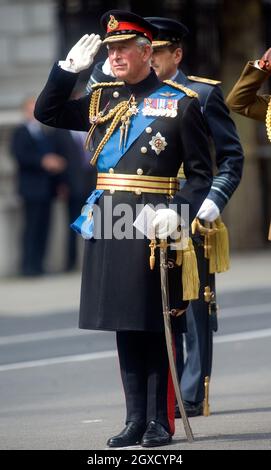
187 91
203 80
106 84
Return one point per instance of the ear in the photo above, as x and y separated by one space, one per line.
146 52
178 55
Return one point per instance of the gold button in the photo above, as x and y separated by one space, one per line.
148 130
116 94
138 191
111 170
112 191
143 150
139 171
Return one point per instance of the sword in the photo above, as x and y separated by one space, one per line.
168 334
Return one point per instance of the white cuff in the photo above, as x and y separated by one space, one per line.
65 66
256 64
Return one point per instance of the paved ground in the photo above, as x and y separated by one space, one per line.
60 387
57 293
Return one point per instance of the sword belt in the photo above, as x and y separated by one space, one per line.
138 183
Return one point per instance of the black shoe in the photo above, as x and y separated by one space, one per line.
192 409
129 436
177 412
155 435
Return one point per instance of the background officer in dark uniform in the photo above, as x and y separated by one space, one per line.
166 58
119 291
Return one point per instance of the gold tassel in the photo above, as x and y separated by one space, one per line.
179 258
269 235
179 254
152 246
219 259
190 276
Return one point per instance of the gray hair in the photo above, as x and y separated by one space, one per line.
141 41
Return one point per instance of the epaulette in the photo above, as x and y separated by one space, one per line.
187 91
203 80
105 84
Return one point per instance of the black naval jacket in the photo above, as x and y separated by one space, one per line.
119 291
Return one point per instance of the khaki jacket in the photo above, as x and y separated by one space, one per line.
243 97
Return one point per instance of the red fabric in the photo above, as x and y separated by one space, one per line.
171 399
123 26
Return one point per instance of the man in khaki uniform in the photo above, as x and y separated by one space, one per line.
243 97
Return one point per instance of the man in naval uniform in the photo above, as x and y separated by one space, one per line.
140 141
244 98
166 59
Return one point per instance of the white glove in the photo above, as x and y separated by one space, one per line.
82 54
208 211
165 223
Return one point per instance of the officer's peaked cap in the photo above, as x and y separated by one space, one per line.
121 25
169 31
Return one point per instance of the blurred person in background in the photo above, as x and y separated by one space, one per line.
39 167
80 180
244 98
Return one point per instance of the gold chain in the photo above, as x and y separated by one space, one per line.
268 120
122 109
94 104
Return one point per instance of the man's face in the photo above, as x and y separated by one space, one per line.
165 62
127 59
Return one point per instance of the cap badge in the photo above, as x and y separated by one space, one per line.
112 23
158 143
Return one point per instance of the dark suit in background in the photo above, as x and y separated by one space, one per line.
37 186
80 180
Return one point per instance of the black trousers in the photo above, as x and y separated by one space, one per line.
198 338
145 376
35 235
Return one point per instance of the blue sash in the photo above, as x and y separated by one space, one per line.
111 155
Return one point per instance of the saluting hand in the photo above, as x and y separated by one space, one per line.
82 54
265 61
